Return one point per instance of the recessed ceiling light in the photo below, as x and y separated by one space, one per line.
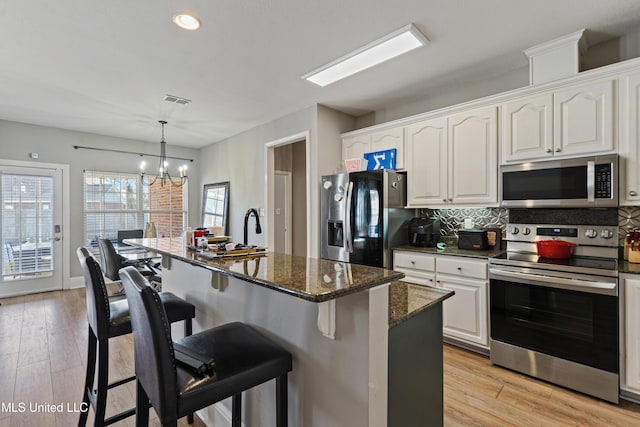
186 21
387 47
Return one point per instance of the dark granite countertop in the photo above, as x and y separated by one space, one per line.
311 279
406 300
628 267
452 249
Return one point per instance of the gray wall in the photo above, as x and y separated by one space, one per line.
241 160
54 145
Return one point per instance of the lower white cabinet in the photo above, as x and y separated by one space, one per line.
465 315
630 333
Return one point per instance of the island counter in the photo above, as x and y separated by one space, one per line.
367 349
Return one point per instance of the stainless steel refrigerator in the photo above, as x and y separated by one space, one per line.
363 216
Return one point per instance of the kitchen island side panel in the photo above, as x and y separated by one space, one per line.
415 371
329 382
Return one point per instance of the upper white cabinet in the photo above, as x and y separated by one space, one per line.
527 128
473 157
427 172
356 146
574 121
629 139
583 119
453 160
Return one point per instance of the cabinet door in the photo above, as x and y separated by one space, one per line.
473 157
354 147
584 119
464 315
426 163
388 139
527 128
629 140
632 332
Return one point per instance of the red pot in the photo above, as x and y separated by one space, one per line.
558 249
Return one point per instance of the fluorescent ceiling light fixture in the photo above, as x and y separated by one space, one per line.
186 21
400 41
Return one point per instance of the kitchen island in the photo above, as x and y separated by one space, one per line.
367 350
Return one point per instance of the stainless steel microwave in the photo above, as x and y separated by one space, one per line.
569 183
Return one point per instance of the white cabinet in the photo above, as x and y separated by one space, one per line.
473 157
426 162
583 119
574 121
417 267
453 160
356 146
527 128
465 315
629 140
631 329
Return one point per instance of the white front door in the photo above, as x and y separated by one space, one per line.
31 234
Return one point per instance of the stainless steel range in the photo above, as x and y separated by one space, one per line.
557 319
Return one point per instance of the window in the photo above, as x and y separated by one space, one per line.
118 201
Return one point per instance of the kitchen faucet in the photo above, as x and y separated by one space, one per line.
246 221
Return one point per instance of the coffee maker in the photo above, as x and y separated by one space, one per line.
424 232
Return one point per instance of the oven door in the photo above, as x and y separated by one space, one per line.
570 318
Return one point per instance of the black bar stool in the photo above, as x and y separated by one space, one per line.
108 319
199 370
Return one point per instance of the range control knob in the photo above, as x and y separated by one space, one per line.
526 231
514 230
590 233
606 234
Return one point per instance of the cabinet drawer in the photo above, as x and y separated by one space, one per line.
417 276
414 260
465 268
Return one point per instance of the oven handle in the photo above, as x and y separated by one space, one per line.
602 288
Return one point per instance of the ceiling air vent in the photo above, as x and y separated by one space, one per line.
176 99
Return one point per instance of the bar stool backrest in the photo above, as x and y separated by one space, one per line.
130 234
110 260
152 343
98 313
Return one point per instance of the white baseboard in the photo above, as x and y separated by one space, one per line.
76 282
217 415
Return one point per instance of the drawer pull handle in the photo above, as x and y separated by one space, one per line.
459 268
633 193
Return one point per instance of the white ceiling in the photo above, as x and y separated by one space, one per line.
104 66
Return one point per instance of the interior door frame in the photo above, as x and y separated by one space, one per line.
66 206
269 149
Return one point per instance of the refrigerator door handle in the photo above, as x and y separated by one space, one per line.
347 218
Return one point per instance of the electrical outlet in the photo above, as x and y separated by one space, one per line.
468 223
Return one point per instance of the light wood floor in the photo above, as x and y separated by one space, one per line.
43 355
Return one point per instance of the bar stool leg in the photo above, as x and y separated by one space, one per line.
188 330
88 381
103 380
142 406
236 410
281 401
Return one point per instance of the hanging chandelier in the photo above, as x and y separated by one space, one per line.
163 176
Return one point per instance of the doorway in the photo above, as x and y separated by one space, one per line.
31 215
287 195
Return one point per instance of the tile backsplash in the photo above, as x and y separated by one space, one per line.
453 219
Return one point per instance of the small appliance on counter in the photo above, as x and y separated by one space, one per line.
473 239
424 232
